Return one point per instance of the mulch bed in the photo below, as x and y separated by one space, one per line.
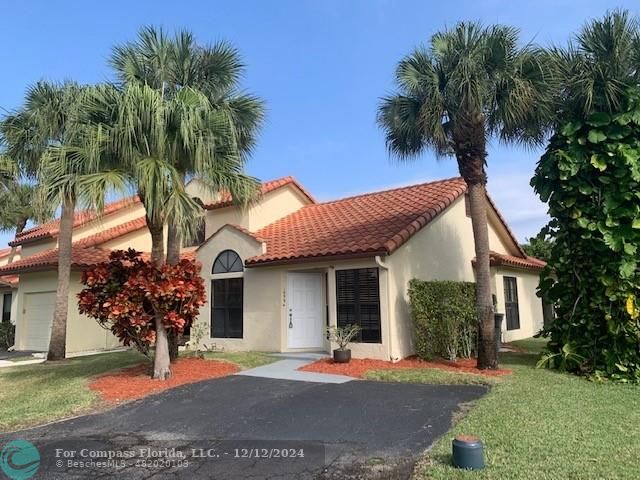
135 382
359 367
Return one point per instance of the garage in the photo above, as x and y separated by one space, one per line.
38 308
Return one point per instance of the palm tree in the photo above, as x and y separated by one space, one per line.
471 84
599 65
169 64
18 208
144 128
49 142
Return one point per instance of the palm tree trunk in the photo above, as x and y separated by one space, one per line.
161 361
173 258
19 228
58 341
470 146
487 349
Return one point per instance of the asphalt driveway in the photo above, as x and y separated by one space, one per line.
254 428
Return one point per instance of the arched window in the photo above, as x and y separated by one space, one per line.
227 296
227 262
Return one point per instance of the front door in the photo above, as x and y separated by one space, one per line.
304 310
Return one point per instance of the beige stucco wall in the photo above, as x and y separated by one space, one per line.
32 248
126 214
265 293
83 334
139 240
5 259
272 206
529 304
443 250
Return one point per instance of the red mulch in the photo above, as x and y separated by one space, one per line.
134 382
358 367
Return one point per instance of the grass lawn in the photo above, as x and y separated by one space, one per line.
540 424
36 394
431 375
244 360
39 393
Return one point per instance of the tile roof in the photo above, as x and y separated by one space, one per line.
225 199
113 232
11 280
81 257
51 229
500 259
365 225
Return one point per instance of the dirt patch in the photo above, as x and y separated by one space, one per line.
358 367
134 382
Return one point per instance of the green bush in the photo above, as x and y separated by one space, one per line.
590 179
444 316
7 334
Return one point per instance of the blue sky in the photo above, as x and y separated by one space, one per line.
320 65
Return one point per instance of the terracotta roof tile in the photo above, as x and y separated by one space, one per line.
364 225
11 280
528 263
113 232
51 229
225 199
81 257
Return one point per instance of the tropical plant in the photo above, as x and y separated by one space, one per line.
49 142
169 64
126 293
590 178
538 246
471 84
343 335
598 66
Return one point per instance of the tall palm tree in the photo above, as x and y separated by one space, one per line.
472 83
169 64
49 142
143 128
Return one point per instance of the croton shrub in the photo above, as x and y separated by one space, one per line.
124 293
444 317
590 179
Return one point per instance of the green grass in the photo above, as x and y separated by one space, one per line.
431 375
244 360
541 424
33 394
532 345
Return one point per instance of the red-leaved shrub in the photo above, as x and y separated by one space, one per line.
124 293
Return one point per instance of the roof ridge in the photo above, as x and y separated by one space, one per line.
386 190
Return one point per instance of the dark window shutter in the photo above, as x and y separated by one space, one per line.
512 311
358 302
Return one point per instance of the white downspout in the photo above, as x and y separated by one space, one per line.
381 264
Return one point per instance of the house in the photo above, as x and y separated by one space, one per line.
279 271
8 288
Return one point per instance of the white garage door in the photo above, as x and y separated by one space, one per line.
38 315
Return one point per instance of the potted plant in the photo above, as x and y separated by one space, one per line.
342 336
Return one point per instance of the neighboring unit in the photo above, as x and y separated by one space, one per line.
278 272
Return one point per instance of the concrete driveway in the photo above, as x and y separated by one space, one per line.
254 428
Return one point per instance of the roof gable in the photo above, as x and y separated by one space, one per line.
365 225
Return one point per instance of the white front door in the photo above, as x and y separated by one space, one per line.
305 307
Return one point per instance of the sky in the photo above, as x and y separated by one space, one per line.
321 66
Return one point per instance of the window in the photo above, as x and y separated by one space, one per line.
6 307
358 302
227 295
227 262
198 237
226 309
511 303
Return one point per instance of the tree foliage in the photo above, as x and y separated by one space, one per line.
590 178
538 246
125 293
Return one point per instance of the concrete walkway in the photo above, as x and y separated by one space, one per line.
287 369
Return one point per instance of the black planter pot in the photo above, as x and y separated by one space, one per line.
341 356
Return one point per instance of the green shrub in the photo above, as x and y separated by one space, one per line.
444 316
7 334
590 179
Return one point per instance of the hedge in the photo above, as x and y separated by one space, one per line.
444 316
